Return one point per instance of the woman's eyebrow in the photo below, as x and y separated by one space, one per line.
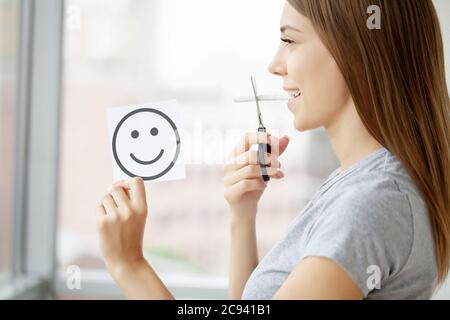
288 27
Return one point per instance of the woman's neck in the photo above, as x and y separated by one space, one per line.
350 139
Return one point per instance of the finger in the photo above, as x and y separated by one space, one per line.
278 146
274 146
235 192
283 144
278 175
109 204
135 187
138 189
250 139
248 172
101 210
124 186
102 217
244 186
119 196
251 158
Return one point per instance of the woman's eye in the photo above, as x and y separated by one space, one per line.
287 41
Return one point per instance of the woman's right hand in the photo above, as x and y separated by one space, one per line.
243 183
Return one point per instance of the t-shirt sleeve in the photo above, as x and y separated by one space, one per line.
367 231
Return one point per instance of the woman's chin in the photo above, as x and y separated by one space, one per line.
301 124
300 121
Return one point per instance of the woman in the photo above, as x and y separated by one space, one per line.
379 226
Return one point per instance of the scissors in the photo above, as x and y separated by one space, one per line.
262 147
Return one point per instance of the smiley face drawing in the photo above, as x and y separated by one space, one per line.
146 144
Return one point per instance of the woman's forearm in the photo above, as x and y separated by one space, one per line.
140 282
243 255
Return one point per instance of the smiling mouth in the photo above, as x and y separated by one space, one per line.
147 162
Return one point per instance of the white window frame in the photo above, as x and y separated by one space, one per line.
37 131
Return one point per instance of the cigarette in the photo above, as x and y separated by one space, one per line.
266 97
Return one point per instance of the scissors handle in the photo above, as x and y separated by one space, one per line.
262 149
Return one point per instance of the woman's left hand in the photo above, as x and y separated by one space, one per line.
121 224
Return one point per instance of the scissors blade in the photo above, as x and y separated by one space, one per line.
258 110
262 97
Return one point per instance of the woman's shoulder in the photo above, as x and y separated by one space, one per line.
388 173
385 188
376 215
377 203
370 195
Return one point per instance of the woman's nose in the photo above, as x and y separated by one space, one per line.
277 66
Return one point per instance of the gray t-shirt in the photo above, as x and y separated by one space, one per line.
371 220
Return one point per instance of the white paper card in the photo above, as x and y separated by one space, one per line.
145 142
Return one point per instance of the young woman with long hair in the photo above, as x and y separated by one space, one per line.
379 226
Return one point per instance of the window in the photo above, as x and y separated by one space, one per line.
8 78
29 82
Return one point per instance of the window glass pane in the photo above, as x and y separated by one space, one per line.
123 52
8 77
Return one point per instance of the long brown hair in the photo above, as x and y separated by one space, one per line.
396 77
